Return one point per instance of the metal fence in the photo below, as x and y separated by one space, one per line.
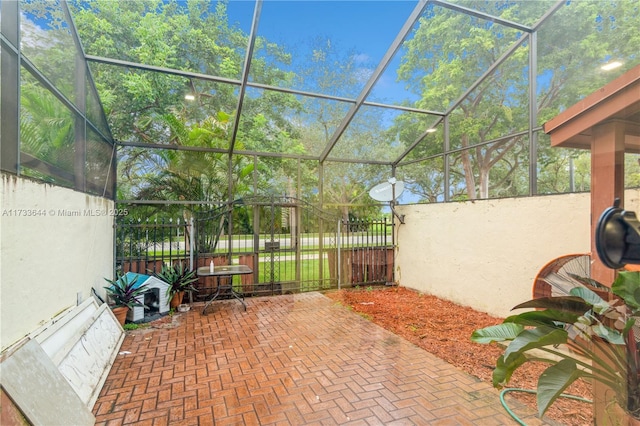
289 248
144 246
367 252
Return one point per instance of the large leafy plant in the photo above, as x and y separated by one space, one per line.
597 326
124 291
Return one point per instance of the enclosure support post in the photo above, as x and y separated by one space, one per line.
10 96
447 146
80 126
533 115
191 247
339 240
191 228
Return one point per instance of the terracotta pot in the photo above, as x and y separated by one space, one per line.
176 299
121 313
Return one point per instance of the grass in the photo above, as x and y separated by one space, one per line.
133 326
285 270
312 248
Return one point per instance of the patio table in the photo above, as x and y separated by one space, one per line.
225 280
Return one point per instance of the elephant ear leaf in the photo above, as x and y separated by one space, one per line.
553 381
496 333
503 371
599 305
532 339
573 304
627 287
548 317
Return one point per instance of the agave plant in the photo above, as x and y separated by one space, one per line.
124 291
178 277
599 334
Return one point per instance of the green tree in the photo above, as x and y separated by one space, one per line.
190 36
453 49
632 170
571 46
193 176
332 70
449 52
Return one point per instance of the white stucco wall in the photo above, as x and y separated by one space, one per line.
55 244
485 254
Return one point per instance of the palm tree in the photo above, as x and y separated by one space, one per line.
46 133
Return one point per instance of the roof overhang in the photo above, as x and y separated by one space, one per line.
618 101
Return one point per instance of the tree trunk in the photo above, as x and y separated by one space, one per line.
484 183
469 179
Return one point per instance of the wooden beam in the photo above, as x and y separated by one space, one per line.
607 184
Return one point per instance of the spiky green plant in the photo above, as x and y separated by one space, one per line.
125 292
179 278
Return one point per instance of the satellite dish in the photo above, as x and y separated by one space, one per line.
384 191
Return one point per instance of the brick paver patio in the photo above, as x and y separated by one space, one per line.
288 360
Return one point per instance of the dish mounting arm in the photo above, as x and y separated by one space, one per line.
393 210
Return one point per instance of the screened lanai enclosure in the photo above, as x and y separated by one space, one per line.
252 132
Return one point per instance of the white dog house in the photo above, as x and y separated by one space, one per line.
155 298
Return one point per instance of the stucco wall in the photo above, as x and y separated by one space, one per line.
55 244
485 254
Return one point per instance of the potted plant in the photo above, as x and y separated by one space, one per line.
599 334
123 294
180 280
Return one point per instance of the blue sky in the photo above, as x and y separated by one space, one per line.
367 27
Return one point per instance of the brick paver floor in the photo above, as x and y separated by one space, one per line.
288 360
